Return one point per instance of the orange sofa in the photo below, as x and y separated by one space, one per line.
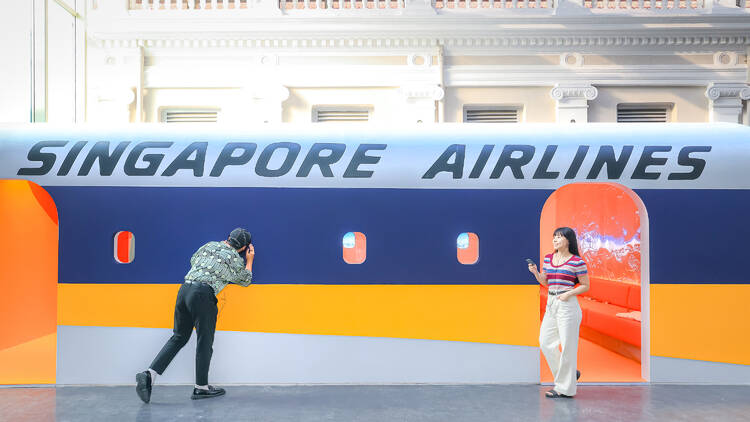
602 303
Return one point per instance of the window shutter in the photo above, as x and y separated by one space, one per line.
491 114
189 116
341 114
644 113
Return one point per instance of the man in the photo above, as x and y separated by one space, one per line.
213 266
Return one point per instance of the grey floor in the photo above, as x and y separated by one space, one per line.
381 403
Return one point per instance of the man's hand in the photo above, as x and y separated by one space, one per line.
249 256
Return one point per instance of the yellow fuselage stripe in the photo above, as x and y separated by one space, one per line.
500 314
700 321
688 321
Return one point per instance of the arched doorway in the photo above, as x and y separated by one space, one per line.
611 224
28 303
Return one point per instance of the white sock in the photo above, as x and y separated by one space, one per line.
153 375
201 387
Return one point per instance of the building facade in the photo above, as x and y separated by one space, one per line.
407 61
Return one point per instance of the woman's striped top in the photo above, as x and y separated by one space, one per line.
563 277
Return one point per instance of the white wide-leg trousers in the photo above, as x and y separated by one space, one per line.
560 325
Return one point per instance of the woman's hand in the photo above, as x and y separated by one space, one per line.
533 269
565 296
540 277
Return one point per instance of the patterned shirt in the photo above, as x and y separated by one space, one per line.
562 278
218 264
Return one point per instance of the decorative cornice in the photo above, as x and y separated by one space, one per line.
577 92
694 75
736 41
716 91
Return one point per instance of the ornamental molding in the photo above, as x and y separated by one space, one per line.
419 60
718 91
571 59
726 58
734 42
620 76
574 92
223 76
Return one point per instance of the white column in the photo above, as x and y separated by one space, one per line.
262 104
573 102
419 103
726 101
111 80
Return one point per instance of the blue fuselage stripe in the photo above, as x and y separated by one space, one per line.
697 236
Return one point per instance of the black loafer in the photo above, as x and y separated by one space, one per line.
552 394
143 385
212 391
578 374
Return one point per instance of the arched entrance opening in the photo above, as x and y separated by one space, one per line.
611 224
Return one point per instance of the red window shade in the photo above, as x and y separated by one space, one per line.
467 248
354 248
124 247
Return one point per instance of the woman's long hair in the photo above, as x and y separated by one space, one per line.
569 234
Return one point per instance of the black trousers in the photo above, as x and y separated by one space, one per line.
195 307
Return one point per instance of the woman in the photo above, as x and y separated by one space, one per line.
565 275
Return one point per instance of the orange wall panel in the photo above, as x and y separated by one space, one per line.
28 258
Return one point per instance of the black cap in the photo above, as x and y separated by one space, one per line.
239 238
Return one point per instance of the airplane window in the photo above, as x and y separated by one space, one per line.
124 247
354 247
467 248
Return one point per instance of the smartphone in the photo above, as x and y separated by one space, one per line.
530 262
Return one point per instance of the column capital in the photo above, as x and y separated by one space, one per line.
726 101
738 91
573 101
563 92
422 92
270 92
